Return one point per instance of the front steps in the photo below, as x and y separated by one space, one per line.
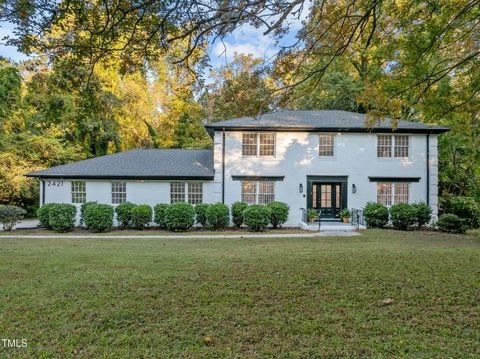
329 226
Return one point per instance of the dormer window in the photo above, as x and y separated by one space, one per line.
258 144
392 146
326 146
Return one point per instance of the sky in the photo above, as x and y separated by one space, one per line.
244 40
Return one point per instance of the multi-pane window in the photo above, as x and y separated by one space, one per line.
195 192
327 145
400 192
190 192
401 146
388 145
119 192
267 144
249 192
384 146
249 144
258 144
79 192
392 193
258 192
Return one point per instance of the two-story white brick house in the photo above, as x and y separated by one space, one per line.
326 160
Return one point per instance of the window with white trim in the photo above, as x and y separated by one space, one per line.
189 192
396 146
258 144
257 192
119 192
79 192
326 146
389 193
401 146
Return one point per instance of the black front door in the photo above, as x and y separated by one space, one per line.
327 197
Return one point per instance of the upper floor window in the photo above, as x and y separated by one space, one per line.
326 145
258 192
392 193
119 192
189 192
388 145
79 192
258 144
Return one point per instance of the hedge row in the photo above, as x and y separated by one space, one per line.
176 217
407 216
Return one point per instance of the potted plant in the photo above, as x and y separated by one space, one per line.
312 215
345 215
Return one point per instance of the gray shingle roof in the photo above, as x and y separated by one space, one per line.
139 163
322 120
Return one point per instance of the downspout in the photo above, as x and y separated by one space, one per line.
43 191
428 169
223 165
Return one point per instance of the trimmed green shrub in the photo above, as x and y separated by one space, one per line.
218 216
179 216
98 217
423 214
278 213
83 208
159 214
237 213
61 217
43 215
10 215
402 216
201 214
464 207
451 223
376 215
124 214
257 217
141 216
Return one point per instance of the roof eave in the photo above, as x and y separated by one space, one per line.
118 177
212 128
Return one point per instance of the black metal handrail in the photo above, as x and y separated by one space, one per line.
357 218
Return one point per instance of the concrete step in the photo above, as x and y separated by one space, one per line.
328 227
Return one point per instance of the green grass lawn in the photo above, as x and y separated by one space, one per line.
298 297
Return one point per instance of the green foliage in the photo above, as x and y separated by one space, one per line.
376 215
124 214
451 223
61 217
98 217
237 213
159 216
10 216
83 208
43 215
257 217
312 214
465 207
141 216
403 216
423 214
218 216
278 213
345 213
201 214
179 216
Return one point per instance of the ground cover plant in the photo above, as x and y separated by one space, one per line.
382 294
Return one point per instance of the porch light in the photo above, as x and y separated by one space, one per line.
354 188
300 188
